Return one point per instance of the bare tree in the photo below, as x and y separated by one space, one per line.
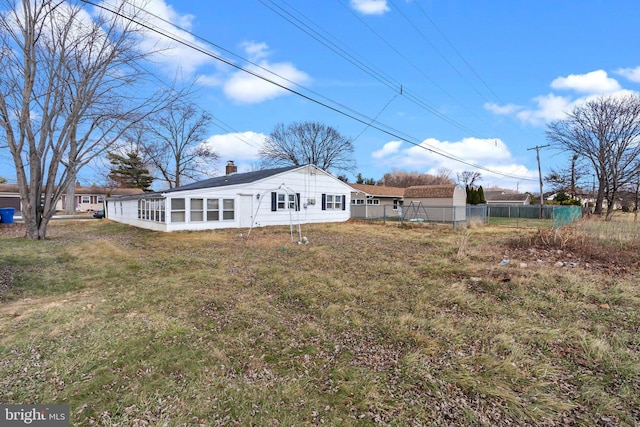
402 179
606 132
308 143
567 180
468 178
176 148
65 95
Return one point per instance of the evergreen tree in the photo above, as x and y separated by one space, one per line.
481 198
129 171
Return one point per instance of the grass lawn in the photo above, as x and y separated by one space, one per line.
366 324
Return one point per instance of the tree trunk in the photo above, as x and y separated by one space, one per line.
70 207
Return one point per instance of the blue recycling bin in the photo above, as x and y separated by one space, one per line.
6 215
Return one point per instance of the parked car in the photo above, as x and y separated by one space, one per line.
99 214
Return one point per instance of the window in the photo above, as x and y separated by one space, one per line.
213 210
282 201
329 204
86 200
197 209
396 203
373 201
228 211
281 198
357 201
177 210
151 209
100 199
333 202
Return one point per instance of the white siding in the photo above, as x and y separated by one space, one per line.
307 181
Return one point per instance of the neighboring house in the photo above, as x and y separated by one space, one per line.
10 196
437 203
283 196
86 198
92 198
375 201
506 198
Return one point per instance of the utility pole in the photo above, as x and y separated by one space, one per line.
537 148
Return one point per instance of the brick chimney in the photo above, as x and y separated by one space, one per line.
231 168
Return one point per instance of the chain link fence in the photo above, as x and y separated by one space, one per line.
508 216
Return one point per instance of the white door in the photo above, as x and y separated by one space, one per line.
245 211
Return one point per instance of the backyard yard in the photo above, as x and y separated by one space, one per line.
356 324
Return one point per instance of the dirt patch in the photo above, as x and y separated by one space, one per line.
572 249
12 230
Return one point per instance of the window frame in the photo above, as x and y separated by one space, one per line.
226 210
178 211
195 212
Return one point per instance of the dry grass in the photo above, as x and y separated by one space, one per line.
365 324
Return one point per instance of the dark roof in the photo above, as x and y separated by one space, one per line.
430 191
114 191
379 190
233 179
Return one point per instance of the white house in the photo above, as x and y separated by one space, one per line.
283 196
375 201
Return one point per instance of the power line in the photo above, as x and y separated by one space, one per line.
412 97
362 119
351 56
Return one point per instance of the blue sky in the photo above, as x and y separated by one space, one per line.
469 80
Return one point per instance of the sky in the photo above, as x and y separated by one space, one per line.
418 85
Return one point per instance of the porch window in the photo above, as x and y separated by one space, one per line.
228 209
213 210
197 210
177 210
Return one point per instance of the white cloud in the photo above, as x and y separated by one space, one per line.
161 16
388 149
491 154
370 7
631 74
246 88
502 109
237 146
256 51
595 82
549 107
552 107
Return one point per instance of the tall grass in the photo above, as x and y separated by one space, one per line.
365 324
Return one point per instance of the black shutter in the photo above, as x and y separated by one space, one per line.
297 201
324 202
344 201
274 201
